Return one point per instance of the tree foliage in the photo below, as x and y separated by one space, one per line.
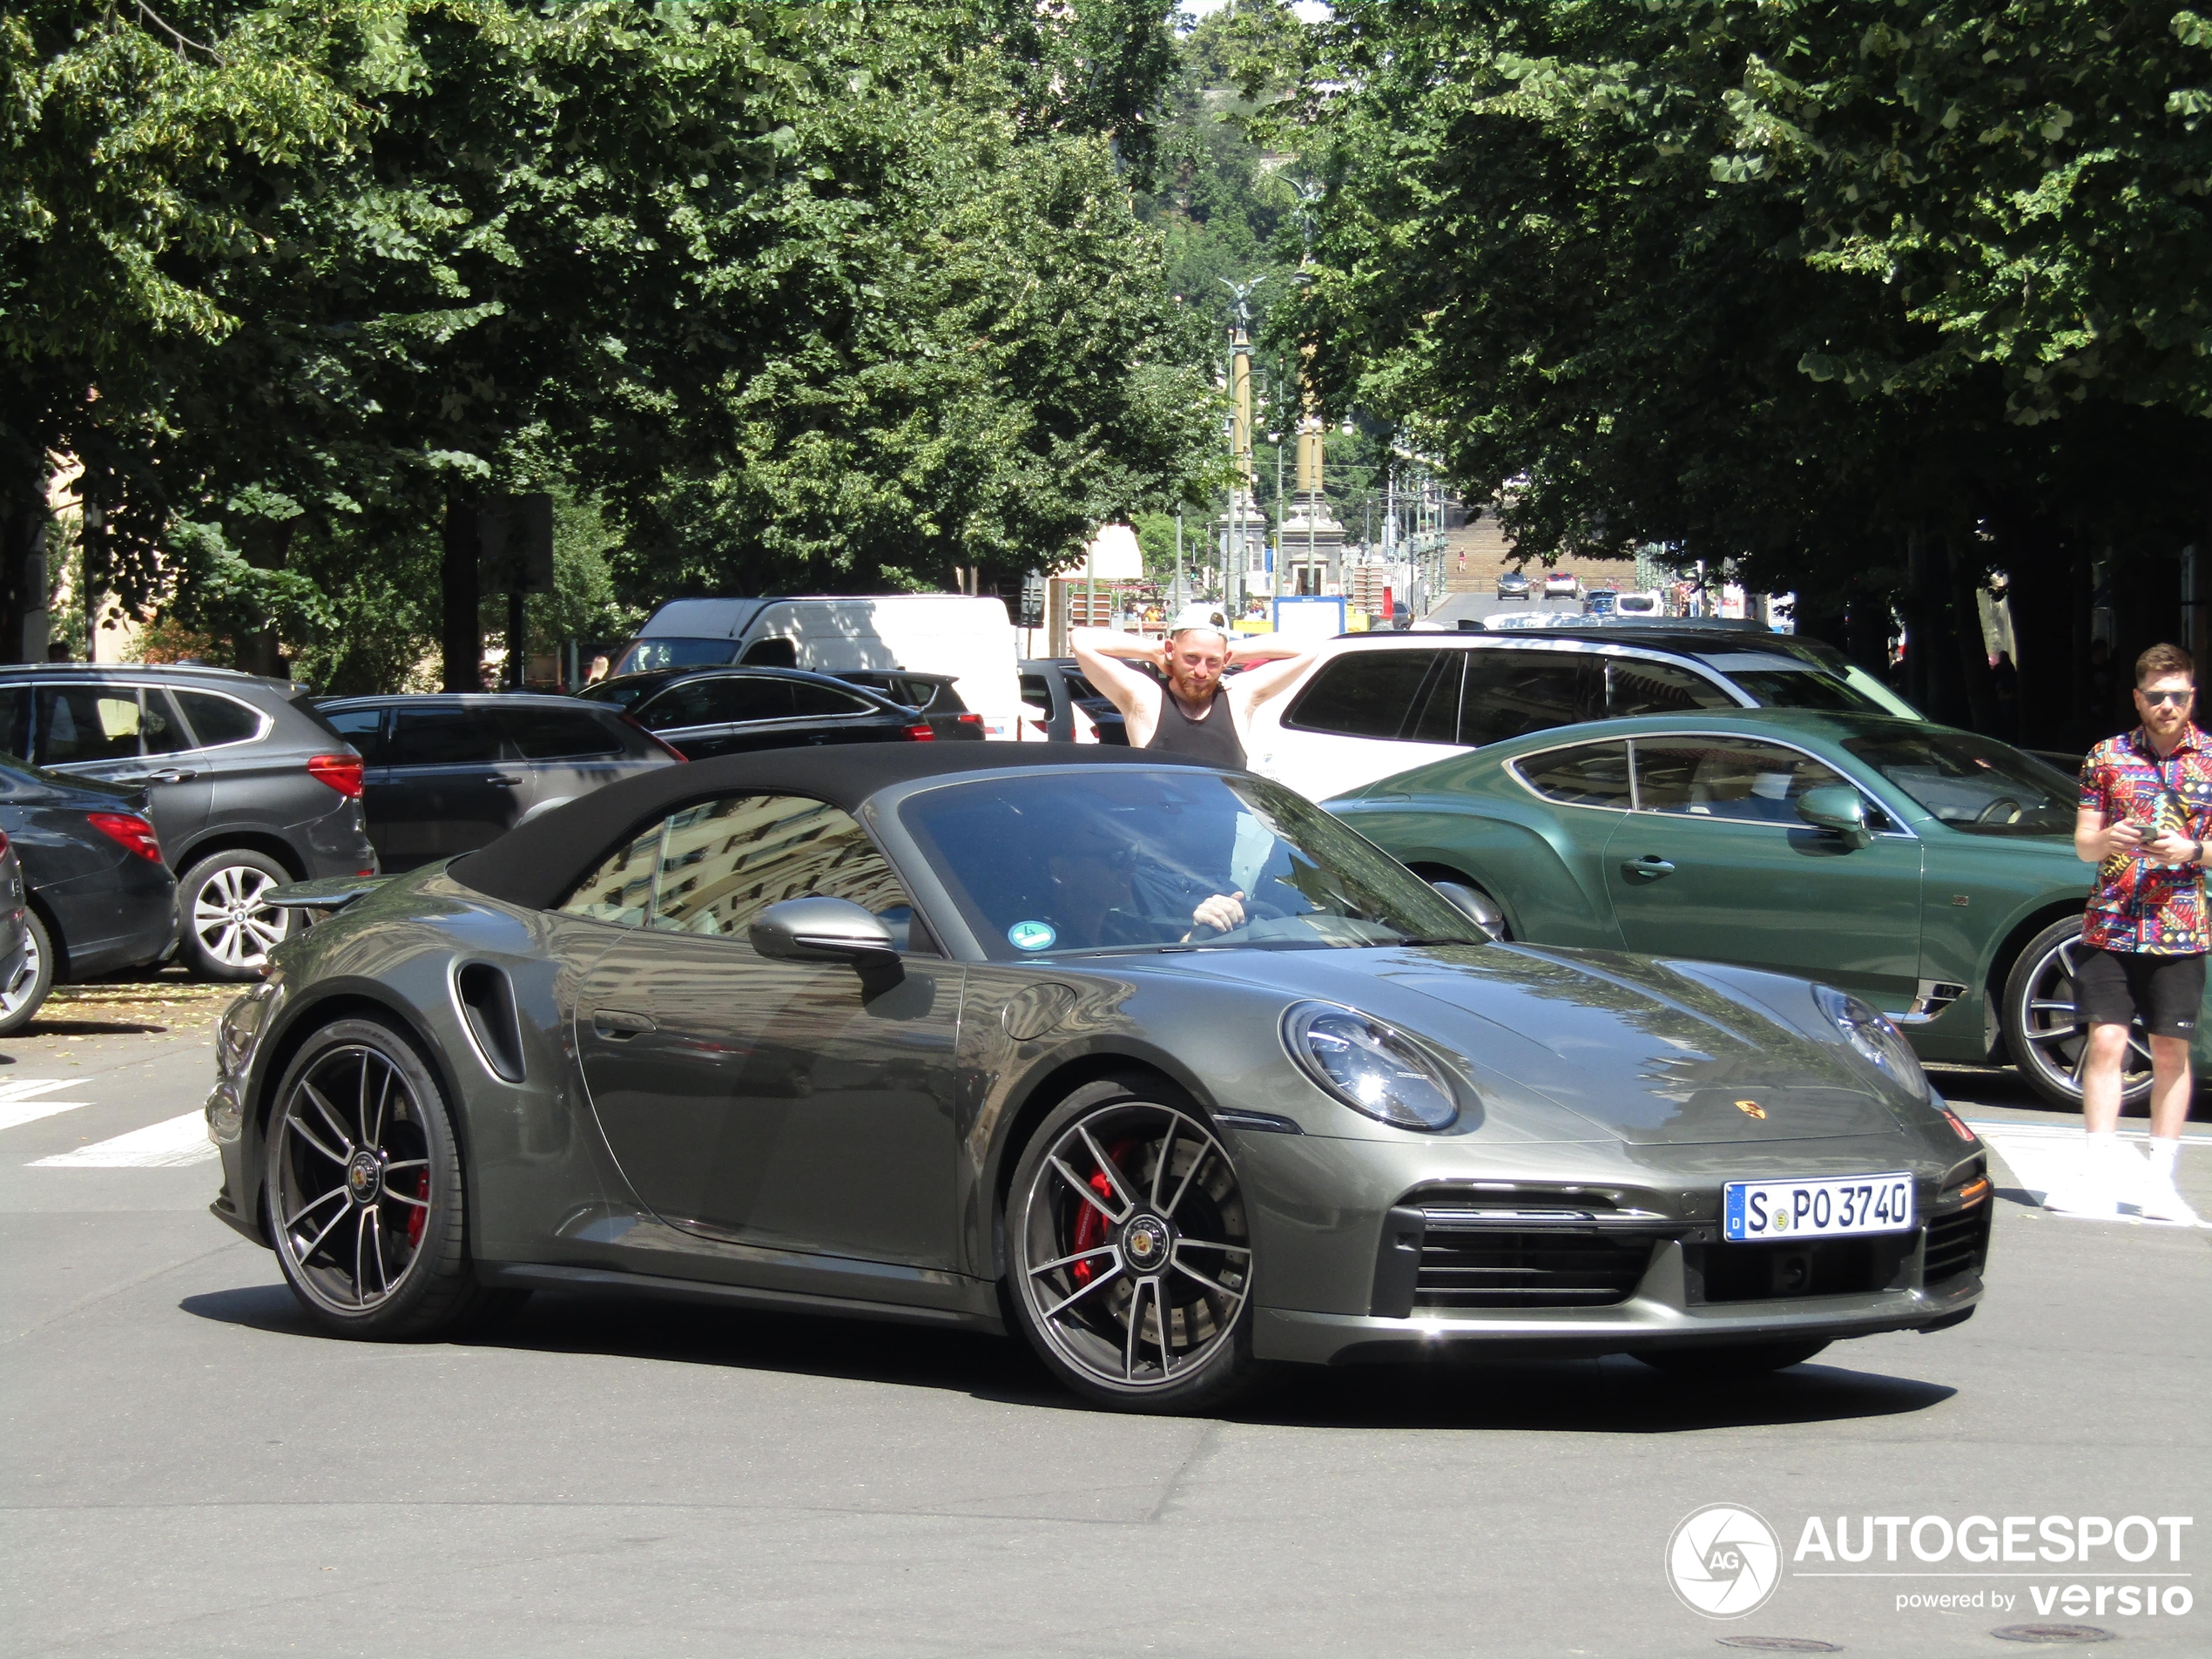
833 296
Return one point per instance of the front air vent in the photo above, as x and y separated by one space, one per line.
488 1004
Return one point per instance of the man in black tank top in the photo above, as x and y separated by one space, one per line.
1196 715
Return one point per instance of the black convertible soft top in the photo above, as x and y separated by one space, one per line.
539 863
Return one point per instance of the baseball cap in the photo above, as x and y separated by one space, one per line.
1208 617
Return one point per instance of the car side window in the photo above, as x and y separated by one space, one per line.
1510 693
1362 693
15 721
81 723
452 735
363 728
1590 774
160 729
216 720
1036 692
1641 685
711 869
1435 715
718 702
559 734
815 701
1728 778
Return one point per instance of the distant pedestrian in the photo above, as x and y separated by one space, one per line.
597 671
2146 810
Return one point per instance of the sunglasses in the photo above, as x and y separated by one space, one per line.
2158 699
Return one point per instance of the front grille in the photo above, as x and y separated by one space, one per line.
1726 1273
1535 1269
1958 1242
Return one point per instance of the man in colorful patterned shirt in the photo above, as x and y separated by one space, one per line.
2145 813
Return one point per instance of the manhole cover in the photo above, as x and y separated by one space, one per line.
1780 1644
2051 1633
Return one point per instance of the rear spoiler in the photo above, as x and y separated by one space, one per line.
329 892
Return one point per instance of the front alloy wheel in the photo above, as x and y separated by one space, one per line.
363 1188
2042 1032
1129 1254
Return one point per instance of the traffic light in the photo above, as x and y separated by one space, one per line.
1033 599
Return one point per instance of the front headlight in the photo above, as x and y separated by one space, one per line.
1875 1038
1372 1068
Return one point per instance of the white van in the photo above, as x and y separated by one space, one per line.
923 633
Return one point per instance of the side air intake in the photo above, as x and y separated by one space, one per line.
488 1004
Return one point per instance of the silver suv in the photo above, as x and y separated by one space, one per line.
247 786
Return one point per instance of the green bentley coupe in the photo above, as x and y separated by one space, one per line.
1928 870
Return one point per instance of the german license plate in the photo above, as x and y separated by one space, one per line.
1826 1207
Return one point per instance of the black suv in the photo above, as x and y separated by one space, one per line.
247 787
448 774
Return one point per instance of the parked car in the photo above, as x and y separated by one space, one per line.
95 894
703 711
1601 602
936 696
1056 687
1639 604
1371 706
1930 870
970 639
919 1032
1562 584
445 775
15 932
1513 584
247 787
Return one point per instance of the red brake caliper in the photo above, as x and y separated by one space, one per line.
1090 1225
417 1219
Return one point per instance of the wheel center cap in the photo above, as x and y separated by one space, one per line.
1145 1241
364 1178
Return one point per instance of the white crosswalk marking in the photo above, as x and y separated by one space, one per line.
20 1102
169 1144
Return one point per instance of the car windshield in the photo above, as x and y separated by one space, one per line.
1973 783
1804 688
1125 859
674 652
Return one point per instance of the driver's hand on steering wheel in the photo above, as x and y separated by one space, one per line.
1221 913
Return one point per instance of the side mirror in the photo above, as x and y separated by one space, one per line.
1474 907
822 930
1834 807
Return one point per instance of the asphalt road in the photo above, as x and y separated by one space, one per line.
187 1470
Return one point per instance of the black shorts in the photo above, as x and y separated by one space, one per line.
2112 987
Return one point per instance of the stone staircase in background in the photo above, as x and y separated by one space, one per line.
1485 552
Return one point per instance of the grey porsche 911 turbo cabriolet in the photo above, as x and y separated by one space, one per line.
1158 1062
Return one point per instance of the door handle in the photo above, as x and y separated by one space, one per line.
169 775
618 1026
1649 867
504 780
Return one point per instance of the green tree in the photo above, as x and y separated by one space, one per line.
1602 259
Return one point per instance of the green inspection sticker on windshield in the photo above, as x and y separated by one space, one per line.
1031 936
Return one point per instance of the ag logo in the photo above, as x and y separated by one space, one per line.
1723 1561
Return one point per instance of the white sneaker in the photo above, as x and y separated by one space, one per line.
2088 1193
2162 1201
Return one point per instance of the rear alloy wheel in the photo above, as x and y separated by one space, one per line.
364 1188
25 991
1734 1360
230 926
2042 1033
1129 1257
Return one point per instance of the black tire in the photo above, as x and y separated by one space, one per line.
25 994
223 932
338 1202
1171 1193
1735 1359
2041 1038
